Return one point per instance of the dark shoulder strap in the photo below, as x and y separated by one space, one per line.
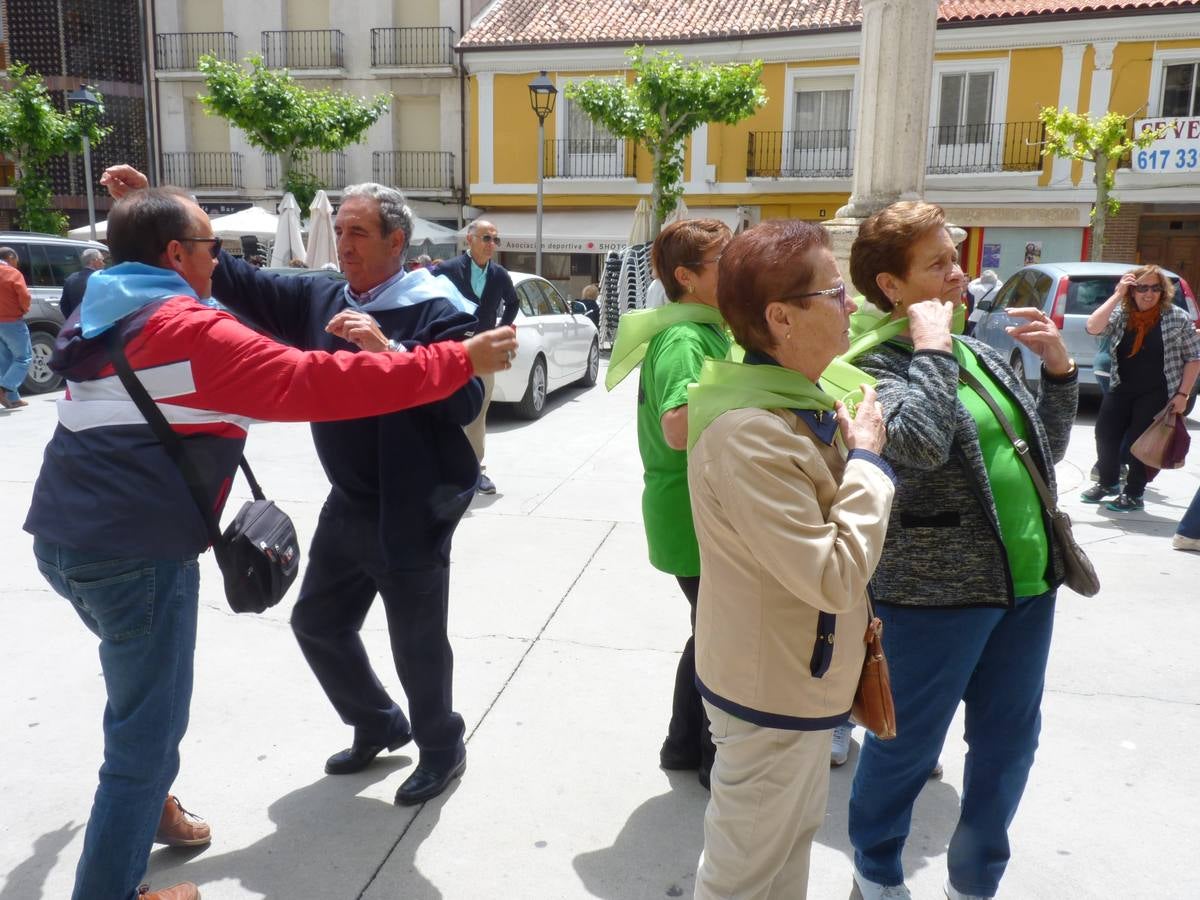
1019 444
169 439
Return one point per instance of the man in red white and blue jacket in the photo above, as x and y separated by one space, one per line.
117 532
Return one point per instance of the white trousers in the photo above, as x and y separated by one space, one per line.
769 789
477 431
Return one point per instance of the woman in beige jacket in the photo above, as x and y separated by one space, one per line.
790 500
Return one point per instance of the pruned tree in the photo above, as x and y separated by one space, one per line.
33 132
1103 141
280 116
668 100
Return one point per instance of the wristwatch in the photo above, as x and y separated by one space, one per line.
397 347
1070 375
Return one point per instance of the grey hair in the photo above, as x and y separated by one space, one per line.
91 255
394 212
8 253
474 226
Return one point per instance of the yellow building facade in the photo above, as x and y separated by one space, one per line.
794 157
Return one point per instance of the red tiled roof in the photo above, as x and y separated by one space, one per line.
523 23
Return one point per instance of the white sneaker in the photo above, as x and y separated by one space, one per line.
840 751
872 891
954 894
1179 542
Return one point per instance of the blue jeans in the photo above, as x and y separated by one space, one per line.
16 356
144 612
1189 525
992 659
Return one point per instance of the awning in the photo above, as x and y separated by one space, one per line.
584 230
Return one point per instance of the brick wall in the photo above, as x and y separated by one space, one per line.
1121 234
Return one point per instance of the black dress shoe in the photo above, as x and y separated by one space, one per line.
426 783
358 757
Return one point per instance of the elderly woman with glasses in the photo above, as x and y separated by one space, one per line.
966 585
670 343
1155 350
790 502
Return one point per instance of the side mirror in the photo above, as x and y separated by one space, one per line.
579 307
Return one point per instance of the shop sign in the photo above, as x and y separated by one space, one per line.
564 245
223 209
1176 150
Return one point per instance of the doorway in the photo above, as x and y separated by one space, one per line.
1172 242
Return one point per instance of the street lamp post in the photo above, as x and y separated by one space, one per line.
541 97
84 97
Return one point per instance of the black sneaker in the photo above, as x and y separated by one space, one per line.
1097 492
1125 503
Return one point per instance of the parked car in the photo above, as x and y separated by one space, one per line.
1068 293
45 260
557 347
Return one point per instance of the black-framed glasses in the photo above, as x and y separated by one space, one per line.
490 239
1142 288
839 292
214 244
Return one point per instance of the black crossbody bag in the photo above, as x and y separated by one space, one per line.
259 554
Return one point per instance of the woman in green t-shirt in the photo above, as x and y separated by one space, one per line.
672 343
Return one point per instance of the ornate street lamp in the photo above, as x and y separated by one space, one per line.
541 97
84 97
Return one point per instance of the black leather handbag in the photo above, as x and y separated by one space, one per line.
258 554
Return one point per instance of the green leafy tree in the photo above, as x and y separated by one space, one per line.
279 116
33 132
1103 141
666 102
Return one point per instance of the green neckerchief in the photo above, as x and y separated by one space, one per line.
638 327
728 385
869 327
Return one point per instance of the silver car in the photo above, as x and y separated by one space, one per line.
1068 293
45 260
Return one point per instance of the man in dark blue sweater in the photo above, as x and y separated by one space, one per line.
400 483
483 280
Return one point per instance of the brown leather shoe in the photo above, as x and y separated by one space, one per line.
183 891
12 404
179 828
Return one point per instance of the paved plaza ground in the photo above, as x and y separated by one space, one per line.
566 643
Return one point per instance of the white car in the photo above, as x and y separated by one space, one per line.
556 347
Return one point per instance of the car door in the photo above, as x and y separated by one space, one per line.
576 335
991 329
551 327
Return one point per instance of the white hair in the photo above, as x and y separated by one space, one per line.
394 211
91 255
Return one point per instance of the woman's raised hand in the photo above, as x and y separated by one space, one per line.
929 324
866 431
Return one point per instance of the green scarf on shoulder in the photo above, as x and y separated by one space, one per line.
637 328
728 385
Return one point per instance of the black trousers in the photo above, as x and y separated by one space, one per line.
688 732
340 584
1125 414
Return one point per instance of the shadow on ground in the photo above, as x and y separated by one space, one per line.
27 879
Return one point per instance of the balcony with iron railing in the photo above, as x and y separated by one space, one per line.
203 170
329 169
991 147
400 48
319 48
181 52
596 158
800 154
414 171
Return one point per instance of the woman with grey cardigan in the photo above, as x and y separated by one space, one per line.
966 585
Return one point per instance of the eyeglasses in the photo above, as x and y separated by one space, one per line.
696 264
1142 288
839 292
214 244
490 239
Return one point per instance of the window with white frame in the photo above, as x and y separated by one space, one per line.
821 118
586 149
1181 89
817 137
965 107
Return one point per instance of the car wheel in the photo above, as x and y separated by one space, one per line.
593 366
41 378
533 404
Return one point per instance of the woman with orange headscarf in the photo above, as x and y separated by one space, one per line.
1156 350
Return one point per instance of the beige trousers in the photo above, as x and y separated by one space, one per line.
477 431
769 789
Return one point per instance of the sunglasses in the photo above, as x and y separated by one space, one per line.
490 239
839 292
214 243
1142 288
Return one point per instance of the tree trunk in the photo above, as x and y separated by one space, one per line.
1100 216
655 195
285 169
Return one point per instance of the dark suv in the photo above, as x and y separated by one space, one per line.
45 260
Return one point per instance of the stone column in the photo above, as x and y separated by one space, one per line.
892 135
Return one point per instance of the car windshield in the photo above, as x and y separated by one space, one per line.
1086 293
